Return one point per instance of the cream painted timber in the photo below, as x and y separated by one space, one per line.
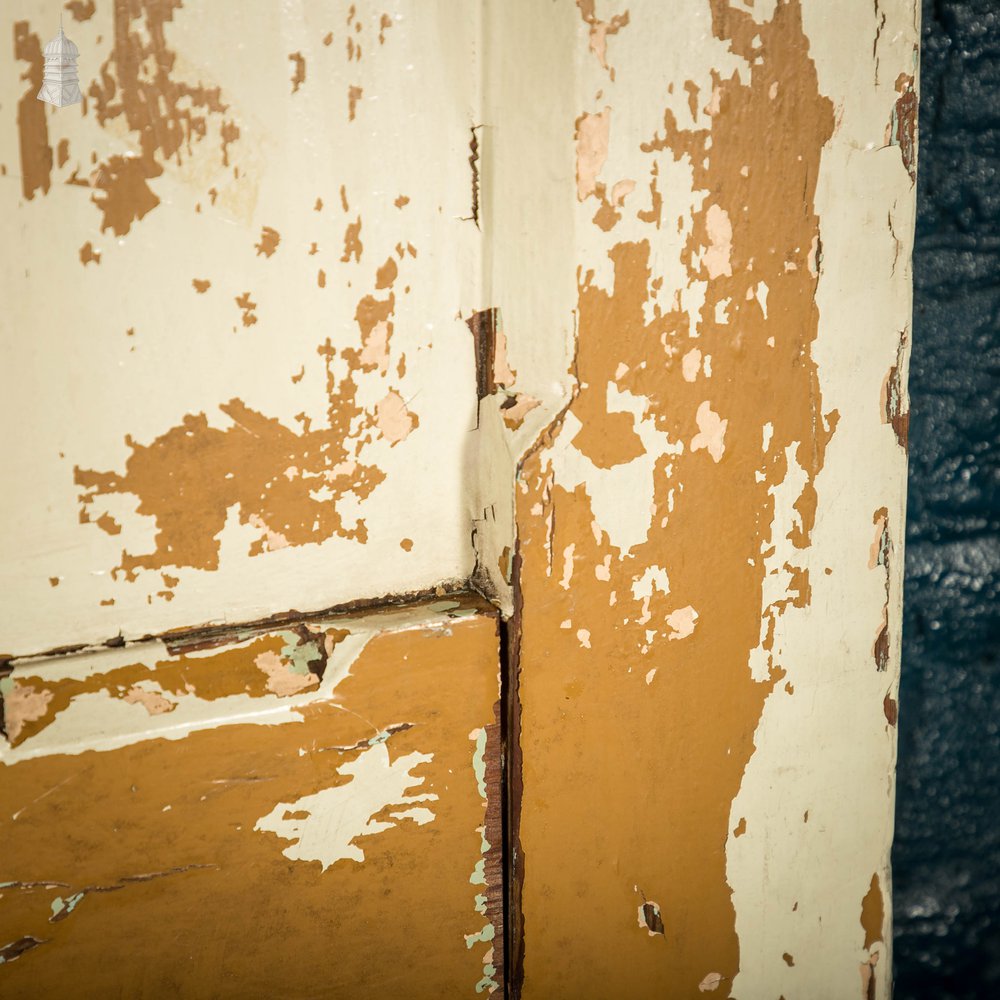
817 795
76 383
826 749
100 720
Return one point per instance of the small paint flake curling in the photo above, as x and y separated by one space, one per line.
515 408
323 826
620 191
62 908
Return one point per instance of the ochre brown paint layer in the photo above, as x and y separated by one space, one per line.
280 663
166 115
138 871
282 480
32 128
872 920
639 705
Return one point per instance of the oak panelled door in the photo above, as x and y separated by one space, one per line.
454 465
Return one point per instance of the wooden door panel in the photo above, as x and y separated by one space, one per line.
709 536
602 311
305 812
234 300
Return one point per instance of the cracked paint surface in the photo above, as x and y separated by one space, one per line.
346 807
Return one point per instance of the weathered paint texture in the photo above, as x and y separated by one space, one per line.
601 309
251 838
257 353
695 610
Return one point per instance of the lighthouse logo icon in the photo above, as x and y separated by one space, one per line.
61 85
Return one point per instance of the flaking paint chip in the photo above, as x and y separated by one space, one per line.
650 918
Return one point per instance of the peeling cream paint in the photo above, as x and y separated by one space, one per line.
190 173
733 209
489 982
735 259
324 826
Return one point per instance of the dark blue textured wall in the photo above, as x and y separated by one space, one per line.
946 858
